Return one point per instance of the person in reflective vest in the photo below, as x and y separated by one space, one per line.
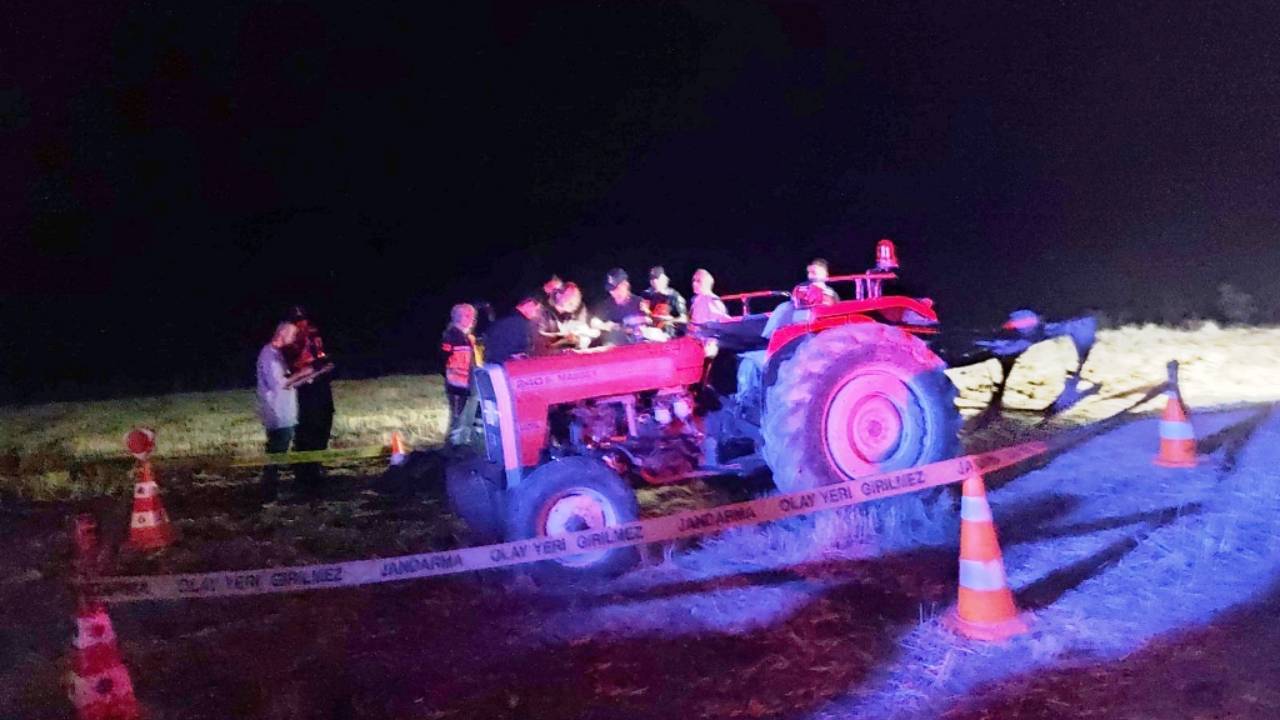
458 345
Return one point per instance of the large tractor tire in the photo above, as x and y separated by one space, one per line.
474 487
568 495
854 401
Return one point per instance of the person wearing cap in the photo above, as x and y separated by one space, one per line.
309 370
573 329
458 344
547 311
516 334
620 317
667 307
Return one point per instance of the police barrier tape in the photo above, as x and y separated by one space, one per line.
237 461
309 456
449 562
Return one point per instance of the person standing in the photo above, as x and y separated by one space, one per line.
277 401
517 334
309 371
572 321
549 290
666 306
459 347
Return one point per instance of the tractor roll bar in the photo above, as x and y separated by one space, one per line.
866 285
746 297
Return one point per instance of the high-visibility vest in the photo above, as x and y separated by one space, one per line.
458 362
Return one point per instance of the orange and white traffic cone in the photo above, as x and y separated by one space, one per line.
149 528
984 609
1177 437
397 449
98 683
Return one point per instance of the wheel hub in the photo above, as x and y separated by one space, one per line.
574 511
875 428
866 422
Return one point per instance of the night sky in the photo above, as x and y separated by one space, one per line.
176 176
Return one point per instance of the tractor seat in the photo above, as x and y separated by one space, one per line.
785 314
740 335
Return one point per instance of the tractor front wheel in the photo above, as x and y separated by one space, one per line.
569 495
474 488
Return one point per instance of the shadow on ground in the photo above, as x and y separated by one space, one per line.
850 624
1228 670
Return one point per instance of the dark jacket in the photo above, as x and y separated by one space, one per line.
509 336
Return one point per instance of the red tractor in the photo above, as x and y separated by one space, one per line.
825 393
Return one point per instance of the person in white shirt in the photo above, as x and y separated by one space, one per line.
277 401
707 306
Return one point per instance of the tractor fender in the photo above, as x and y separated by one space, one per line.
786 340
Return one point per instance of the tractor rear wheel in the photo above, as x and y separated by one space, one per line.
569 495
855 401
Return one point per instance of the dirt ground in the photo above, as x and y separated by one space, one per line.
459 647
495 645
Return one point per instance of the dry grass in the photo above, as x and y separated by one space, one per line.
50 450
53 450
221 422
1218 366
855 532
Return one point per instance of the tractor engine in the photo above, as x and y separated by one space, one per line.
653 434
628 404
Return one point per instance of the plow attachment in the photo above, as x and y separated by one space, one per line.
1023 330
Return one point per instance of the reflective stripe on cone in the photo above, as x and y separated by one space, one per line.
1177 437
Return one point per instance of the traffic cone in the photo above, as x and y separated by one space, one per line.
984 609
140 442
98 683
149 528
397 449
1177 437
